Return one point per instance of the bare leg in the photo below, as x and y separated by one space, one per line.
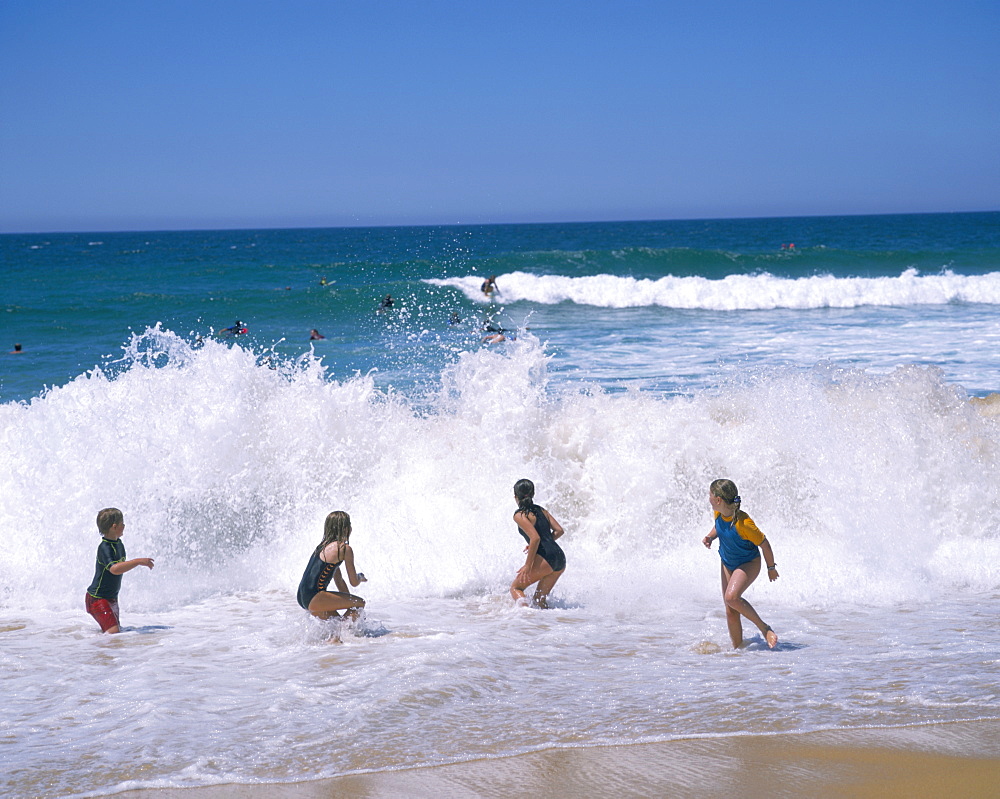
539 570
734 623
326 604
544 588
734 583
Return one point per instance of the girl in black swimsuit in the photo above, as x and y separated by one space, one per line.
324 566
545 561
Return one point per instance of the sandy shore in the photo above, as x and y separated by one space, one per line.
961 759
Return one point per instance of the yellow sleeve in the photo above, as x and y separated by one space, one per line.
748 530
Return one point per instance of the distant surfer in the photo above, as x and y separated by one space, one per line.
16 351
315 335
236 330
387 302
324 566
489 285
739 539
545 561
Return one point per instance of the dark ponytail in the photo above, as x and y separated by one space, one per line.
524 493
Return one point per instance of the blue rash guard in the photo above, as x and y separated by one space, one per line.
738 539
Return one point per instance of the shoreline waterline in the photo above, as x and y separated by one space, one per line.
960 758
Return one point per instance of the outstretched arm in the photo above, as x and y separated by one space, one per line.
123 566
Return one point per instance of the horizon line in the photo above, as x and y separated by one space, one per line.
241 228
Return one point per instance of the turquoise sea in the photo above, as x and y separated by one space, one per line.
844 383
593 293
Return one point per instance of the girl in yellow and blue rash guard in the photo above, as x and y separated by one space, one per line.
739 539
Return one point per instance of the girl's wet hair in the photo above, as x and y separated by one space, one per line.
524 493
337 527
726 491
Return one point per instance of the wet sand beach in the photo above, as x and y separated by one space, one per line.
959 759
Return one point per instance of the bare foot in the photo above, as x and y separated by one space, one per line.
772 638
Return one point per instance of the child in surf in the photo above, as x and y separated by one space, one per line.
545 561
324 567
739 539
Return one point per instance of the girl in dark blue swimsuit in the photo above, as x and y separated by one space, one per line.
545 561
324 565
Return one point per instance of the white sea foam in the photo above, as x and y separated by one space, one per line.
737 292
222 461
871 489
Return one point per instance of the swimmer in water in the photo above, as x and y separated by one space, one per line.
498 337
236 330
739 539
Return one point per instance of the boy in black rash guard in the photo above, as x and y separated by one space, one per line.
102 595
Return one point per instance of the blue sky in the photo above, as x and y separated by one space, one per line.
222 114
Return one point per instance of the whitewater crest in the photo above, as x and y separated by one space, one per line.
761 291
226 461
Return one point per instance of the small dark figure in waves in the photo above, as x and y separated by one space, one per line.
239 329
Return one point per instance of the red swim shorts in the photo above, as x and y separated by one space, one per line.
104 610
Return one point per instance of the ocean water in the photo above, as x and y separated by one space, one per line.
833 381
